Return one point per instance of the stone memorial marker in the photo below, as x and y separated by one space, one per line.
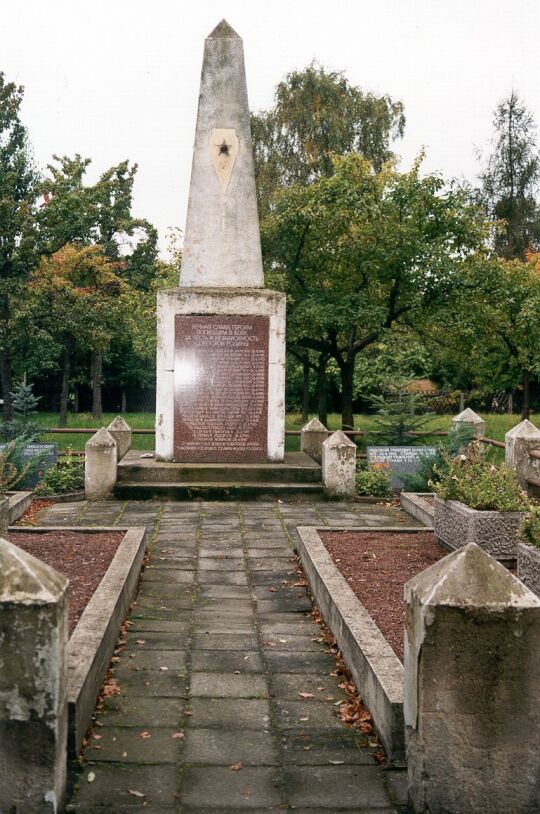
399 460
221 334
39 457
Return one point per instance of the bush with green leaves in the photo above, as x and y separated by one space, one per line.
481 485
530 528
12 468
399 414
374 482
66 476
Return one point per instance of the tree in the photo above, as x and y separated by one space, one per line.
79 299
18 199
319 114
359 252
510 179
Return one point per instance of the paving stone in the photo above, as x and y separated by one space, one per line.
306 715
159 625
151 660
165 590
227 685
282 661
133 745
157 640
225 604
166 576
111 785
335 787
225 591
231 713
215 641
219 787
288 686
144 683
166 563
231 624
236 553
221 564
296 644
223 748
223 578
324 748
141 712
221 661
283 605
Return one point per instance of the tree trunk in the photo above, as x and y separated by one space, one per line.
321 390
64 395
347 379
123 407
96 371
305 391
76 398
526 410
7 384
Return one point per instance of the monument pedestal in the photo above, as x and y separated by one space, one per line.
220 375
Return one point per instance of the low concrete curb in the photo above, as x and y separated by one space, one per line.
18 504
377 671
92 643
415 504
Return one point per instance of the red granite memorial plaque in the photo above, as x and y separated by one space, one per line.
221 388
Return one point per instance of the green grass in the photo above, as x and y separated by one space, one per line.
496 427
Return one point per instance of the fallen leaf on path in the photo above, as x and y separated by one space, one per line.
305 694
178 735
145 735
236 766
140 641
136 793
336 762
91 777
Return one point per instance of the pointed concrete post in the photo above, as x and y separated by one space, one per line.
33 683
471 419
100 465
339 465
121 432
518 441
312 436
471 688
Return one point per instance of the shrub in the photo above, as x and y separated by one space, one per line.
375 482
12 469
432 467
530 528
66 476
482 485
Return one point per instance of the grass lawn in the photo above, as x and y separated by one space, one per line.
496 427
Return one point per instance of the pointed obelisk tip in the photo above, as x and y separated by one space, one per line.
223 31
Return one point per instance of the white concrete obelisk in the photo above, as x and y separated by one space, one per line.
221 334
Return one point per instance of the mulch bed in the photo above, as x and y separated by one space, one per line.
377 564
83 558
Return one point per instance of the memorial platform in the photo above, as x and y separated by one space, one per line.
142 478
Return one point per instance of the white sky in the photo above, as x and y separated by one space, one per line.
116 79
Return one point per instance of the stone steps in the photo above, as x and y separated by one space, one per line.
218 473
225 490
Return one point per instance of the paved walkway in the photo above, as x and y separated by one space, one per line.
209 717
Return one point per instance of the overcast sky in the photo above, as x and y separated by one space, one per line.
116 79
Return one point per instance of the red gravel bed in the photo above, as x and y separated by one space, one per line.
83 558
377 564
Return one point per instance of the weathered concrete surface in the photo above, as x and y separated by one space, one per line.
228 302
518 441
33 668
121 432
221 630
495 532
100 465
312 436
377 671
222 245
472 696
415 504
18 504
528 567
4 514
471 419
339 465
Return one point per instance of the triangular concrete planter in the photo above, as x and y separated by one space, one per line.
528 566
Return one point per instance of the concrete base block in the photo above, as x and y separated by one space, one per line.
496 533
528 567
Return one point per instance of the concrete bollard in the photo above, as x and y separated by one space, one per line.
100 465
33 683
121 432
339 465
312 437
518 441
471 419
471 689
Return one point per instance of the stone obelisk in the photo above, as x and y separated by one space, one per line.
221 334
